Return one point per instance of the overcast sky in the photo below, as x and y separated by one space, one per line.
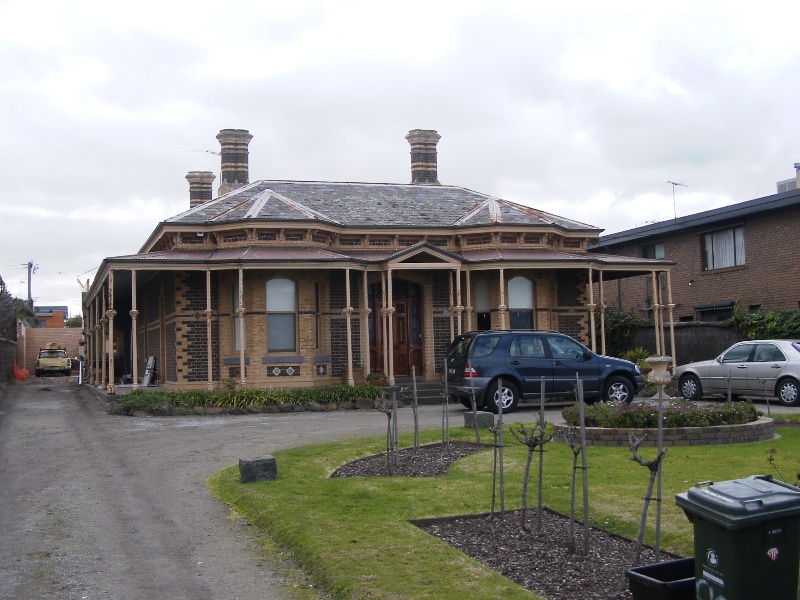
582 109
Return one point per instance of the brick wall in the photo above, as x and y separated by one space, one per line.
32 339
771 247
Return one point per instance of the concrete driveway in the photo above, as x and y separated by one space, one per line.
98 506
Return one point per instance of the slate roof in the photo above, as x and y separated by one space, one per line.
368 205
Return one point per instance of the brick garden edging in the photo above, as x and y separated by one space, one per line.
758 431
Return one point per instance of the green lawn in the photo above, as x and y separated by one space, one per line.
353 537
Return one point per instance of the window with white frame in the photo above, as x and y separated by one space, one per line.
724 248
237 343
520 303
281 315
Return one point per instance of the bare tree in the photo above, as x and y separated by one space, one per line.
446 412
654 467
573 441
534 437
414 407
391 448
474 405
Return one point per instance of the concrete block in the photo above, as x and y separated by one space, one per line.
263 468
485 419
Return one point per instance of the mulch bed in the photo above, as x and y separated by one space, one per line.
538 560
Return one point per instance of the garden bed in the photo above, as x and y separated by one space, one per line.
760 430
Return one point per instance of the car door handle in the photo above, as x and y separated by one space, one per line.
558 362
741 366
776 367
514 362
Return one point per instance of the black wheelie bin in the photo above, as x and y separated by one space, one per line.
746 538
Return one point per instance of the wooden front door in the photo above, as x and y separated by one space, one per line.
406 328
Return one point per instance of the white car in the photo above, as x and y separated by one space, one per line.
753 368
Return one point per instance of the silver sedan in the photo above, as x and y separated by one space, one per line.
753 368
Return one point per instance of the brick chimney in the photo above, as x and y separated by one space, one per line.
234 156
200 187
424 168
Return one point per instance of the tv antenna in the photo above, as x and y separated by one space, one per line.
674 206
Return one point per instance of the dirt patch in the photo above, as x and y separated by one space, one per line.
540 561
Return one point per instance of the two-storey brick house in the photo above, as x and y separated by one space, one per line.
305 283
743 254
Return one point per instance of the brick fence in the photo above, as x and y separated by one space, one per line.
758 431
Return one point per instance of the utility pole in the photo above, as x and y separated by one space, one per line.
32 268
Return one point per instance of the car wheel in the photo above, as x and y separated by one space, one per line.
618 389
467 403
788 392
508 400
690 387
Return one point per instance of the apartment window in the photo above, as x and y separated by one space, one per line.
281 315
520 303
319 238
572 244
533 239
508 239
437 242
655 251
237 341
267 236
294 236
723 249
379 242
409 241
350 241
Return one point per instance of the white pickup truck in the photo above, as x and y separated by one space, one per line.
53 360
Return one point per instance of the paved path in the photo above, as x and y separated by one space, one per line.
97 506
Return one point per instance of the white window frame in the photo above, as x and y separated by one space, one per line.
281 302
723 249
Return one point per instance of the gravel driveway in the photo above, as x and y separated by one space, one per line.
97 506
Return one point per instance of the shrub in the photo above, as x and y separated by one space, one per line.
145 400
676 414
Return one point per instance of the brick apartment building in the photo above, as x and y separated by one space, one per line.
741 255
307 283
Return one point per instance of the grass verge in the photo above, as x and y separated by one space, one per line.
353 537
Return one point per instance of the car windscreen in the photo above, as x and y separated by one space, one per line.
484 345
459 347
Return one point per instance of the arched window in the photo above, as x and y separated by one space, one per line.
281 315
520 303
483 305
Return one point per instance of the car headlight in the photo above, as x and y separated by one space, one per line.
638 370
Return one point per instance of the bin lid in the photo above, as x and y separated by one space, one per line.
741 502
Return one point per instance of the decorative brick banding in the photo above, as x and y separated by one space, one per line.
758 431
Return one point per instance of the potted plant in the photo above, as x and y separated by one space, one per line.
377 379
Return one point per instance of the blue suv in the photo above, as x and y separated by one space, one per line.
476 361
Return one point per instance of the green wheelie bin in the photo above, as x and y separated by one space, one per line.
746 538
